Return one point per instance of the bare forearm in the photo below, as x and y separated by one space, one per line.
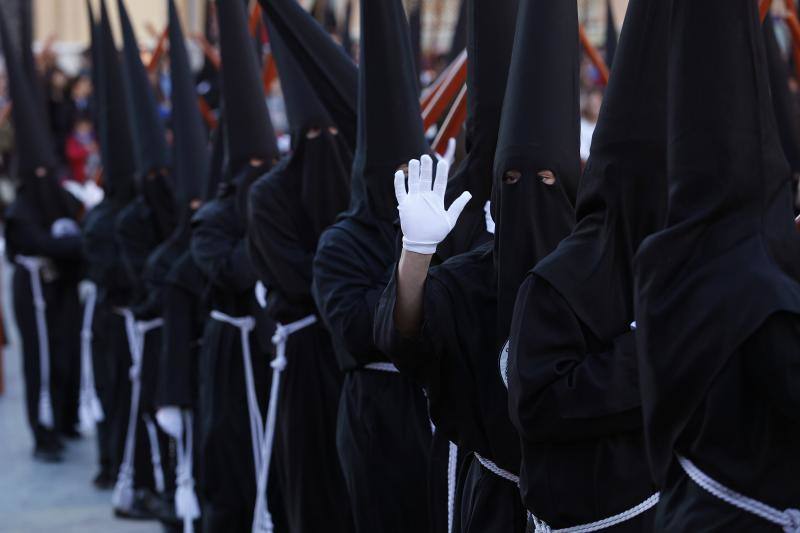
411 274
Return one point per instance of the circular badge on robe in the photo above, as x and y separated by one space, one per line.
504 362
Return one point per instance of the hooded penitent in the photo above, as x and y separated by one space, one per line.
323 62
783 103
727 259
539 131
149 140
321 161
36 159
116 142
389 123
490 38
190 148
622 197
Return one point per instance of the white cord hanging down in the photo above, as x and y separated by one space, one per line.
540 526
122 497
34 267
90 410
155 453
187 507
789 519
262 518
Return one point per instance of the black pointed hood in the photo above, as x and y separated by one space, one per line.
34 142
611 35
190 149
623 191
727 259
116 142
389 122
783 103
325 64
149 140
28 58
459 40
249 132
539 130
304 109
491 28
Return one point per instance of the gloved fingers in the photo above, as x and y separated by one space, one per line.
457 207
440 185
426 173
400 186
413 177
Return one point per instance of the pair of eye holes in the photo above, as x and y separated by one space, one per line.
513 176
313 133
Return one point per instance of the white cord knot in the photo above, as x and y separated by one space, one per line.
794 521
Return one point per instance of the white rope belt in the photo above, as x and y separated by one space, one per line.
262 518
540 526
496 470
187 507
122 497
34 266
90 410
789 519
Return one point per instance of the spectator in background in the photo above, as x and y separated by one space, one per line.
81 150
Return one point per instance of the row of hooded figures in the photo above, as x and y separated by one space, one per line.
341 338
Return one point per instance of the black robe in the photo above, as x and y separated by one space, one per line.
26 234
227 479
383 434
582 427
282 248
453 359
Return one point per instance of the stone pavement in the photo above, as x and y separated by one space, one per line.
36 497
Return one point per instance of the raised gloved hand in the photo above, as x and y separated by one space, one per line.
424 220
261 294
169 418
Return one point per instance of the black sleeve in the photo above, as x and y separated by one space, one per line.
558 389
103 257
219 248
275 242
346 292
30 239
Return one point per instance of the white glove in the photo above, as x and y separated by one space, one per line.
449 154
169 418
487 209
261 295
423 218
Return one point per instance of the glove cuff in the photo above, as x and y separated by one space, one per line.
424 248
